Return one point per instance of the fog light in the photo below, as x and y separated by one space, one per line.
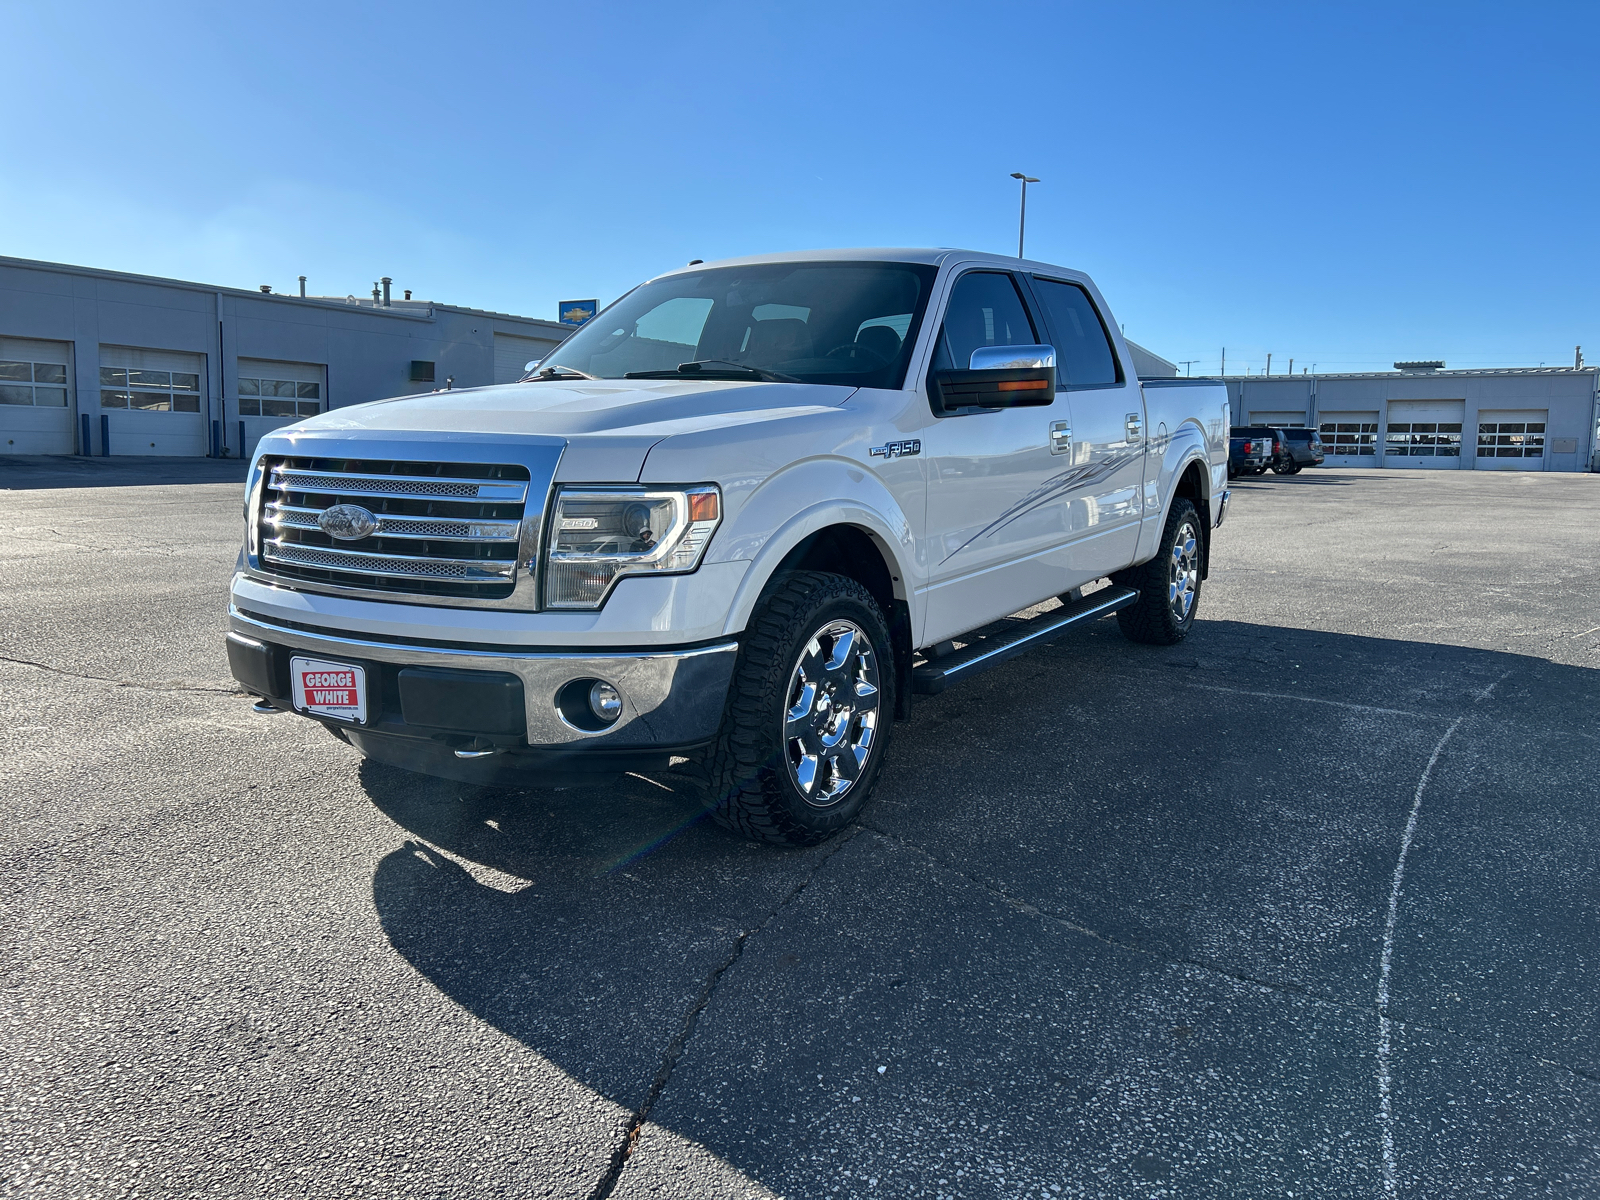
605 701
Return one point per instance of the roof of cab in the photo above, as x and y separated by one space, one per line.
934 256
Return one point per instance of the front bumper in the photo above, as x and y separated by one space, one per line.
456 698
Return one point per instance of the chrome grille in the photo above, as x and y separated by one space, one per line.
442 529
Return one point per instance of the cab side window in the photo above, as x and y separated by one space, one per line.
985 309
1084 357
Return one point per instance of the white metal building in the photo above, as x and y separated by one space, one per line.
1513 419
96 362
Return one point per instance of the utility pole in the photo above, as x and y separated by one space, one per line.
1186 364
1223 370
1268 371
1291 366
1022 213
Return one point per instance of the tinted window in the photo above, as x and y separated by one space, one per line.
1083 353
984 310
843 322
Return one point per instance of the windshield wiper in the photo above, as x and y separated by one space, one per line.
554 372
719 368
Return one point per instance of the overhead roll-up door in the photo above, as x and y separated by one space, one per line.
513 353
1512 439
1423 433
1349 439
36 397
155 400
1277 419
272 394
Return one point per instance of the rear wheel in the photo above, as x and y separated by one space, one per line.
1168 585
808 713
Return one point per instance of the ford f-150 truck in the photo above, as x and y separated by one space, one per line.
732 524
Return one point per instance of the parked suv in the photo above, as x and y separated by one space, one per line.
1299 448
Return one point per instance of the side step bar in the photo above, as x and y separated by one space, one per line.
934 676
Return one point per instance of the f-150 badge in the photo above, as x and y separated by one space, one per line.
906 449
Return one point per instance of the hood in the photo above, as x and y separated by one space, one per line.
609 425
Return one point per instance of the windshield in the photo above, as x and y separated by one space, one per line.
845 322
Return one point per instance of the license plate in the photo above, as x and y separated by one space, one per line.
329 689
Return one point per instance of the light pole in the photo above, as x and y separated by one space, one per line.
1022 215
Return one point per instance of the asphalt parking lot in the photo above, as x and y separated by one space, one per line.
1308 905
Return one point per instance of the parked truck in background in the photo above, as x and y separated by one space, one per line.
733 522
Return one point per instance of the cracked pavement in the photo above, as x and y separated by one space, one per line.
1113 925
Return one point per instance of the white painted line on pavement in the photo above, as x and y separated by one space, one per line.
1393 712
1385 1112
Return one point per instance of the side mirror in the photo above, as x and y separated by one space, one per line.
528 367
997 377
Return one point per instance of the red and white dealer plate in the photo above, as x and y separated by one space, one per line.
329 689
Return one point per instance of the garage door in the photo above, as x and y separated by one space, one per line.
1423 433
512 354
36 397
154 401
1278 419
274 394
1511 439
1349 439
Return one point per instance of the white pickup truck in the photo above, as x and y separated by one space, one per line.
734 522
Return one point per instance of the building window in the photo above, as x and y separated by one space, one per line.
1423 439
36 383
1511 439
278 398
1350 437
149 391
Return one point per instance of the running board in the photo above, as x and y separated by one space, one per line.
934 676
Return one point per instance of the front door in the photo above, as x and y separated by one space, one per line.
994 515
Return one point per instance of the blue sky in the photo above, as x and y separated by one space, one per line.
1343 184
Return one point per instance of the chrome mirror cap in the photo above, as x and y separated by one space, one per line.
1012 358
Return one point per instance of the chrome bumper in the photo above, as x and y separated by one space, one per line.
669 697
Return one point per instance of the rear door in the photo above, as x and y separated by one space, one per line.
1105 446
995 514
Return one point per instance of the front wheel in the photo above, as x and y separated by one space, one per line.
808 713
1168 585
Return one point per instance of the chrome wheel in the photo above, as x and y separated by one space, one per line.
831 718
1183 571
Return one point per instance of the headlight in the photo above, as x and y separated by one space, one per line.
598 535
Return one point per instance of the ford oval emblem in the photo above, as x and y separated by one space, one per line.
347 522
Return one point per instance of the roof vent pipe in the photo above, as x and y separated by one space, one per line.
386 282
375 293
302 287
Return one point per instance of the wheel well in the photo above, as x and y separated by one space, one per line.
851 551
1191 486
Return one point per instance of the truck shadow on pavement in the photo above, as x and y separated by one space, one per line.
1195 830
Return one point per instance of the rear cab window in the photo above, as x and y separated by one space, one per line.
1084 356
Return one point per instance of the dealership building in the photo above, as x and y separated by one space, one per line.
1423 416
102 362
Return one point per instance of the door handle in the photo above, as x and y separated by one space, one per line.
1060 437
1135 427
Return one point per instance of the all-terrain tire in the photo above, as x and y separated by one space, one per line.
751 777
1168 585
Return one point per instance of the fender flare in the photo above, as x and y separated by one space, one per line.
896 548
